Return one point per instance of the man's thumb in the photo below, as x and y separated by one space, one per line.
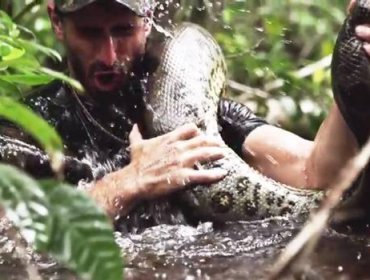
135 135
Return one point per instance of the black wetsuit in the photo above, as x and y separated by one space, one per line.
99 132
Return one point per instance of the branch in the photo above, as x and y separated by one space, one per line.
301 73
304 243
27 9
278 83
249 91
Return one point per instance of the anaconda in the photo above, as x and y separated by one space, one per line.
37 162
186 88
351 73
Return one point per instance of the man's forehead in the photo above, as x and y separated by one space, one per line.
139 7
100 15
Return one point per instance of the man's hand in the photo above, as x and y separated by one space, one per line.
166 163
362 31
158 167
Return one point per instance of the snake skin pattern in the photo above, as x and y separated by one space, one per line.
351 73
244 194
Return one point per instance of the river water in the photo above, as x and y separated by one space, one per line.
238 250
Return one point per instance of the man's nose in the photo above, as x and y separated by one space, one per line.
108 52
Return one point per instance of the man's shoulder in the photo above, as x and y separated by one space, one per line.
53 102
50 99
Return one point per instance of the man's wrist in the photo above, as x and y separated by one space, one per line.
116 192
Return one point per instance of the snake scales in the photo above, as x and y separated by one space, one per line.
351 73
172 100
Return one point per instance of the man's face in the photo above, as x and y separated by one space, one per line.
103 41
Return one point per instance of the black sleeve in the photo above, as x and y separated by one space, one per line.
236 122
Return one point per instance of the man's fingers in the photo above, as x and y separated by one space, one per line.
204 176
201 141
171 182
203 154
189 176
184 132
367 48
135 135
363 31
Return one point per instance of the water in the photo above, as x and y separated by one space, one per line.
238 250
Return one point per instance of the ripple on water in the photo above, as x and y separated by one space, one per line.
238 250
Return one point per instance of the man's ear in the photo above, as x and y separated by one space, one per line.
350 6
148 23
56 23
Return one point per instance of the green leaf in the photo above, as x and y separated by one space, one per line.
15 50
5 49
28 79
9 89
37 47
24 63
60 76
84 237
7 22
10 41
14 54
62 221
33 124
25 203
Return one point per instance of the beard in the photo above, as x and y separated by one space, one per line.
105 83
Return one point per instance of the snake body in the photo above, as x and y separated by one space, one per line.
245 193
186 88
351 73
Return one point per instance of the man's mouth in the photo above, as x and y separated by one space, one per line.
107 80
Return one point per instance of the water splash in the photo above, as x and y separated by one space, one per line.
162 30
237 250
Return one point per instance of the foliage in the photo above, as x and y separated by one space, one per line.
19 63
62 221
271 45
52 216
19 70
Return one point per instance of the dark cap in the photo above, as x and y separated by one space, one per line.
139 7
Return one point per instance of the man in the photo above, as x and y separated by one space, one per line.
106 45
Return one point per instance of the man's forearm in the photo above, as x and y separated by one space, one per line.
292 160
333 146
116 192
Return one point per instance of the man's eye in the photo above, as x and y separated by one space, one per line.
90 31
121 31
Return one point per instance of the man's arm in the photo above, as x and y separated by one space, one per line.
292 160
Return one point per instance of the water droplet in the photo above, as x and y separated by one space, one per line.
359 256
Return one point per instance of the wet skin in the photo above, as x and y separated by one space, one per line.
102 42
